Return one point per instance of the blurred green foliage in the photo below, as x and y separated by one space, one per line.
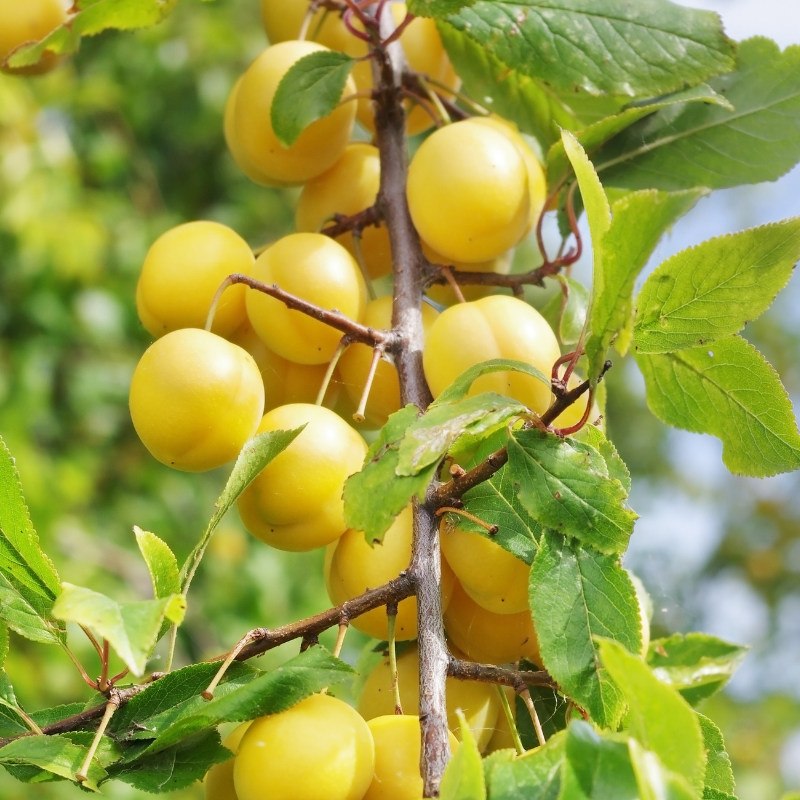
96 160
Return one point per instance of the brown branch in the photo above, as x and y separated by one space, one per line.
353 222
260 640
489 673
462 483
263 639
409 266
355 330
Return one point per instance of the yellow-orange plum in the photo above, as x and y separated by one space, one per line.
317 269
492 327
295 502
195 399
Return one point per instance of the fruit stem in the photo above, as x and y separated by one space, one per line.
208 694
448 273
113 704
526 696
173 640
28 721
215 302
102 683
492 530
337 354
467 101
362 405
434 98
391 617
344 625
512 723
312 9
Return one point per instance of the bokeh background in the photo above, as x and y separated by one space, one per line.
123 142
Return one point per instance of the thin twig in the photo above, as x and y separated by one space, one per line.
91 637
337 320
86 679
489 673
344 223
102 684
448 273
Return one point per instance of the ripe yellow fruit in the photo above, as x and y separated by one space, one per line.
487 637
537 181
285 381
283 19
219 779
232 140
468 192
29 21
384 397
352 567
443 293
318 269
181 274
348 187
425 54
492 327
478 701
319 146
195 399
296 503
319 749
397 757
494 578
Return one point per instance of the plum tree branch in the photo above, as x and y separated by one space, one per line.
343 223
489 673
409 266
357 332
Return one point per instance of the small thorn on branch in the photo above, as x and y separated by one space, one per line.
309 640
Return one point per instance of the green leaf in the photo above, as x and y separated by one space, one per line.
530 104
161 563
429 437
659 718
533 776
714 289
256 454
650 47
436 8
617 468
495 502
655 781
719 774
174 768
597 767
93 19
269 693
576 595
23 618
169 697
3 645
598 133
696 664
463 777
310 90
460 387
377 494
131 628
598 211
638 221
565 485
53 754
706 145
730 391
30 582
566 311
713 794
